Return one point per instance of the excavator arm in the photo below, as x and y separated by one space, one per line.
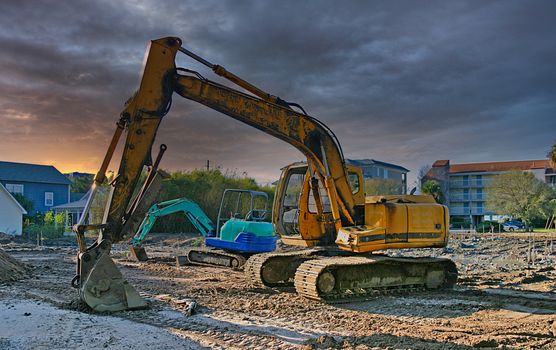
100 283
190 209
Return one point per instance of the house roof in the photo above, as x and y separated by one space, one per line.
74 196
499 166
10 171
441 162
79 204
494 166
77 174
370 162
2 188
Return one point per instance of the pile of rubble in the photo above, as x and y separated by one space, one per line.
10 269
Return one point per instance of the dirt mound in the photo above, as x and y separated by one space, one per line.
10 269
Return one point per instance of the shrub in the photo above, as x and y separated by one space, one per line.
46 231
205 187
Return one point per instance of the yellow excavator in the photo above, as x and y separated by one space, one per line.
318 204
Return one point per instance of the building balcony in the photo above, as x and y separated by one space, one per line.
467 197
469 183
467 211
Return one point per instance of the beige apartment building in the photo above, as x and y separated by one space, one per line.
464 184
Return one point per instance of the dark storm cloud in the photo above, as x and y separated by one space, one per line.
406 82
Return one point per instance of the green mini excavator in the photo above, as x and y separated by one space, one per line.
240 230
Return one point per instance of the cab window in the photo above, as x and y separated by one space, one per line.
290 203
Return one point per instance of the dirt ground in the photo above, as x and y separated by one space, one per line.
505 298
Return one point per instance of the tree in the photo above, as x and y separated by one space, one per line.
521 195
433 188
416 184
423 171
27 204
377 187
81 184
552 155
50 218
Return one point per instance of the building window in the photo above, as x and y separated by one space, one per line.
49 199
15 189
385 173
480 207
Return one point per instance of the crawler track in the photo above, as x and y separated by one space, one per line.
275 269
346 279
215 257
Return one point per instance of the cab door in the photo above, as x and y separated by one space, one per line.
295 211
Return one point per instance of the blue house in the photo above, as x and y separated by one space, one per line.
44 185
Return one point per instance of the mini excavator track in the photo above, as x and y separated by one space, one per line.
215 257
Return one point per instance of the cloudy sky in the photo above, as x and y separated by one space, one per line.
403 82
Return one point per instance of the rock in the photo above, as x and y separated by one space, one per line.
323 342
466 246
535 278
486 343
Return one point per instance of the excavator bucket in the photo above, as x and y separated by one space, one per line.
138 253
102 285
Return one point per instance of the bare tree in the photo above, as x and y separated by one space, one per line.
420 176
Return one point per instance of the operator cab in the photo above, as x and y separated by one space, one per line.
240 204
295 212
241 224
